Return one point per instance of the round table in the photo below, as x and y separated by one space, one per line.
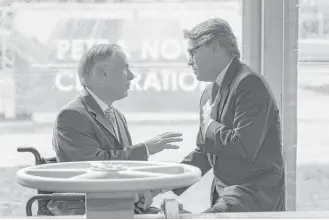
110 186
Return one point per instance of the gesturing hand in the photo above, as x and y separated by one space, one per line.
162 141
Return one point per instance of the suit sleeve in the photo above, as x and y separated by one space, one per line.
196 158
252 117
140 144
74 140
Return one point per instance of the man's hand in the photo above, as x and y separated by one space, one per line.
209 112
162 141
145 200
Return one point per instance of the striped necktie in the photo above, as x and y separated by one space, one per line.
109 113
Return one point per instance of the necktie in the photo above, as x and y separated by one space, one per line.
109 113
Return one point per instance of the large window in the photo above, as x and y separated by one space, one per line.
38 77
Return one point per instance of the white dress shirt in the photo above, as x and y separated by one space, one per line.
100 102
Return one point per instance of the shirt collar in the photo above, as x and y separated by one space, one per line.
220 77
100 102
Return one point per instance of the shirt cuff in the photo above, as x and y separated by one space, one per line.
206 126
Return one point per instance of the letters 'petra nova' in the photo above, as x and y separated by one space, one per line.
150 49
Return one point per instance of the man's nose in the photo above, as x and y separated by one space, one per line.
190 62
130 75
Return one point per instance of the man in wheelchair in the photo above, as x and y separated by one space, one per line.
91 128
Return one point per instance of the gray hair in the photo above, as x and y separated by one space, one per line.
92 56
214 29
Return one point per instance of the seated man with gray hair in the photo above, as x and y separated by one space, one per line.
91 128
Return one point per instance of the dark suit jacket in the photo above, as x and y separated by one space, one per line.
246 140
82 133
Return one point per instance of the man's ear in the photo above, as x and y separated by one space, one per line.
99 70
214 44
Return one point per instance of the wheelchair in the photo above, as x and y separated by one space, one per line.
44 197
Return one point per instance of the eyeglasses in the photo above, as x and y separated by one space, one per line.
192 51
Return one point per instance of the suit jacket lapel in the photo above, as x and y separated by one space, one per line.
95 109
225 84
124 135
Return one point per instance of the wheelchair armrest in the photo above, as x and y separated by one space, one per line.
50 160
35 152
38 159
54 197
